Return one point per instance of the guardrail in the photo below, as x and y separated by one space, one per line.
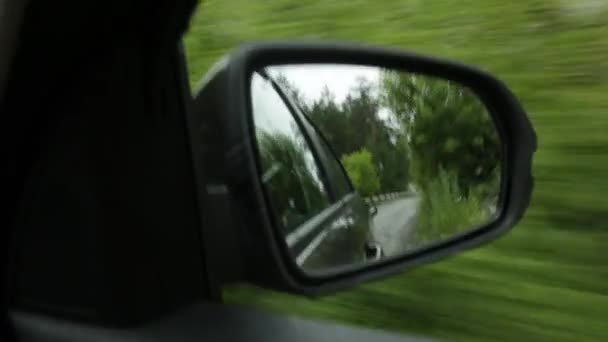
307 237
387 196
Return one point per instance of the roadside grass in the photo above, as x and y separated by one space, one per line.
491 294
444 212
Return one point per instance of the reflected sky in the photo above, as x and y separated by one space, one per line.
311 79
340 79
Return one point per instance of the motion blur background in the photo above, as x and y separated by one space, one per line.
547 280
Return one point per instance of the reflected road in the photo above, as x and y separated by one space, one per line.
394 224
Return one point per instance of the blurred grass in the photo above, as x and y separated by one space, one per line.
548 279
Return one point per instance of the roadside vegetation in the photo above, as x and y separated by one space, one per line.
444 211
362 173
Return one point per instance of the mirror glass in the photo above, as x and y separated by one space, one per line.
361 163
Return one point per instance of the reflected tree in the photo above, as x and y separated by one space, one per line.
297 191
362 172
447 128
354 124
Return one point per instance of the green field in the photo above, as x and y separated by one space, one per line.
548 279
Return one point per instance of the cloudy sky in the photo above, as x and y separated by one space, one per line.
310 79
340 79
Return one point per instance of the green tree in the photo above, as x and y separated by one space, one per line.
360 169
447 128
332 121
394 158
355 124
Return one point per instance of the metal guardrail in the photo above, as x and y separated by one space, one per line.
387 196
307 237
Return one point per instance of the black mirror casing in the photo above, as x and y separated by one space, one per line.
246 245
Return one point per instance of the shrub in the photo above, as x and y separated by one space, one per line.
360 168
443 211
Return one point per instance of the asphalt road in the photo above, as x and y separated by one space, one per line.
394 223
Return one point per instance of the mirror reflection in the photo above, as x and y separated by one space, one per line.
362 163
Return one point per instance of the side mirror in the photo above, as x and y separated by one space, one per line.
299 137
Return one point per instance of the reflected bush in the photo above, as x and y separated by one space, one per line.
444 211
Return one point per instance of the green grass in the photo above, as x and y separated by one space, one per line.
521 288
548 279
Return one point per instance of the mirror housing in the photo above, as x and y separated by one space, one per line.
246 245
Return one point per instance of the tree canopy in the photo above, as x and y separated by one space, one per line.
355 124
447 127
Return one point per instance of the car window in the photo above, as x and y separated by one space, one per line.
290 173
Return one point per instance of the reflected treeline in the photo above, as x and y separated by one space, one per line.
353 126
447 128
296 190
455 152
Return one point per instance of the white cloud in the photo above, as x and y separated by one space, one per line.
310 79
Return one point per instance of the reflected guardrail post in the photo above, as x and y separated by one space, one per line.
387 196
